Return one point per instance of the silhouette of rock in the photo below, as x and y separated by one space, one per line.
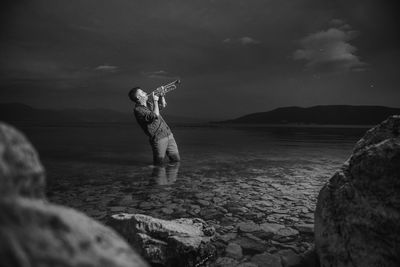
34 232
181 242
358 210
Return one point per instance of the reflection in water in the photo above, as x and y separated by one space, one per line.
165 174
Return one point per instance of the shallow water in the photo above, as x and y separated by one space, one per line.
227 174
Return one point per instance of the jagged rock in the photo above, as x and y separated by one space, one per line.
181 242
388 129
358 210
21 172
36 233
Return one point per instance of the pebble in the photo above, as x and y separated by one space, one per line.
203 202
167 210
248 227
305 228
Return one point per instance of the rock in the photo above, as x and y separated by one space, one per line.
227 237
266 259
248 227
358 209
271 228
287 232
146 205
210 214
21 172
249 245
305 228
203 202
289 258
388 129
181 242
234 250
117 209
167 210
36 233
309 259
246 264
225 262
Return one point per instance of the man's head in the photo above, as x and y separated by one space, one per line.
137 95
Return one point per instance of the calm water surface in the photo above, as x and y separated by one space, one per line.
101 169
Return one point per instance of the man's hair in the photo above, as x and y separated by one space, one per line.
132 94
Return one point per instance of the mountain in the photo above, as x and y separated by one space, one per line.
331 114
17 113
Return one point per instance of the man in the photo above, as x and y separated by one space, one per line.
147 113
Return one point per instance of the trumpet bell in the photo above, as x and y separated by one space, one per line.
162 90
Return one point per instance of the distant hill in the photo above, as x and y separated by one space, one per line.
335 114
17 113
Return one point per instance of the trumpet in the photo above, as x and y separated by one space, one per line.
162 90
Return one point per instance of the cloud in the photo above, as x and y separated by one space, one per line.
330 50
107 68
245 40
159 74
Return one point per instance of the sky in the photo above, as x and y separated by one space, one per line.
233 57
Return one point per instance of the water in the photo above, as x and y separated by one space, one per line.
227 174
125 146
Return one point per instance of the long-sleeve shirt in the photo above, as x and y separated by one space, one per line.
154 126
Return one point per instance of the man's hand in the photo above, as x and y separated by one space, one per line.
155 97
163 102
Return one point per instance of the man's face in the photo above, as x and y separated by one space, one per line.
141 95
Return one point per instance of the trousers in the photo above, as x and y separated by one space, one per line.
165 147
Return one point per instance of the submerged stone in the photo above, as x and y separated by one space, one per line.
234 250
180 242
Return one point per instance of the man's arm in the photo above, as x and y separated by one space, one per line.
145 115
156 109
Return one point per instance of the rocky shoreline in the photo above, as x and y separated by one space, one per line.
252 216
260 219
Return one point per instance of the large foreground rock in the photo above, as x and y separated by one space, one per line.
181 242
21 172
34 232
358 210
